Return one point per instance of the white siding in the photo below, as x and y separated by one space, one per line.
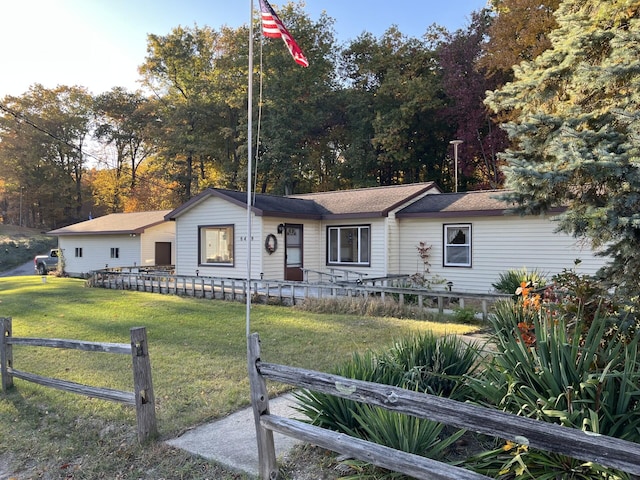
393 246
96 249
499 244
163 232
96 252
312 249
216 211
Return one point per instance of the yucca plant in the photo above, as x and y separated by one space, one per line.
421 362
336 413
403 432
433 364
577 377
509 281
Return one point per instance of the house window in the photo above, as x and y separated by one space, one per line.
349 245
78 252
115 252
216 245
457 245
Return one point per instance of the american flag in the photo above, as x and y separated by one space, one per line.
273 27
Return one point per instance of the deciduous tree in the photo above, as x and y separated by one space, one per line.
465 83
519 32
42 138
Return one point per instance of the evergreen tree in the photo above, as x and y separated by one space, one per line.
576 130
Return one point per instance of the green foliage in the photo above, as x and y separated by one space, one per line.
198 357
403 432
558 369
517 462
575 131
20 245
511 280
42 167
464 315
563 375
431 364
336 413
420 362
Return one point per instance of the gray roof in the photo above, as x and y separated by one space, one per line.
478 203
114 224
367 202
363 202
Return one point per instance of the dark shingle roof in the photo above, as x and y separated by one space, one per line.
264 205
480 203
364 202
115 223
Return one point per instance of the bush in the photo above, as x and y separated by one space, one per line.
423 363
511 280
464 315
553 365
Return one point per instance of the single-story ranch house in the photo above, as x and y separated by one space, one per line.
369 233
117 240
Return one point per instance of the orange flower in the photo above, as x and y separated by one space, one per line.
523 289
532 302
527 332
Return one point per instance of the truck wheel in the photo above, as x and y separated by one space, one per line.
42 270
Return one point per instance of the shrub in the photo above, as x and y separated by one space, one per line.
555 365
510 281
424 363
464 315
431 364
403 432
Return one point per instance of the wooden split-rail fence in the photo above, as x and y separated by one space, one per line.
142 397
589 447
285 292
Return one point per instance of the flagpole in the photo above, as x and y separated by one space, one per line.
249 168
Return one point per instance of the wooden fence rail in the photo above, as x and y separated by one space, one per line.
142 397
603 450
284 291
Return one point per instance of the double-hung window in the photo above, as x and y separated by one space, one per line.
349 245
216 245
457 245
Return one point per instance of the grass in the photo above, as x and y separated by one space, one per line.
198 357
18 245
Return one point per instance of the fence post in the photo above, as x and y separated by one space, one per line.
260 402
143 385
6 354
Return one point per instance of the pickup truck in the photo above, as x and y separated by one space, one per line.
43 264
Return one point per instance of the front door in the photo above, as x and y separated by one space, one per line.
293 252
163 253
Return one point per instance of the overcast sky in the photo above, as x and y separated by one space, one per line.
99 44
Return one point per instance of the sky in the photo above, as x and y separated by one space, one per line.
99 44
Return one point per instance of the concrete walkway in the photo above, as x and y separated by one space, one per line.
231 441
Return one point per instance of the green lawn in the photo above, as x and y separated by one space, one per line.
198 359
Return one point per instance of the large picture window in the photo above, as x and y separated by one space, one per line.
216 245
349 245
457 245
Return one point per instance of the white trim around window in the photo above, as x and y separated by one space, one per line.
457 245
